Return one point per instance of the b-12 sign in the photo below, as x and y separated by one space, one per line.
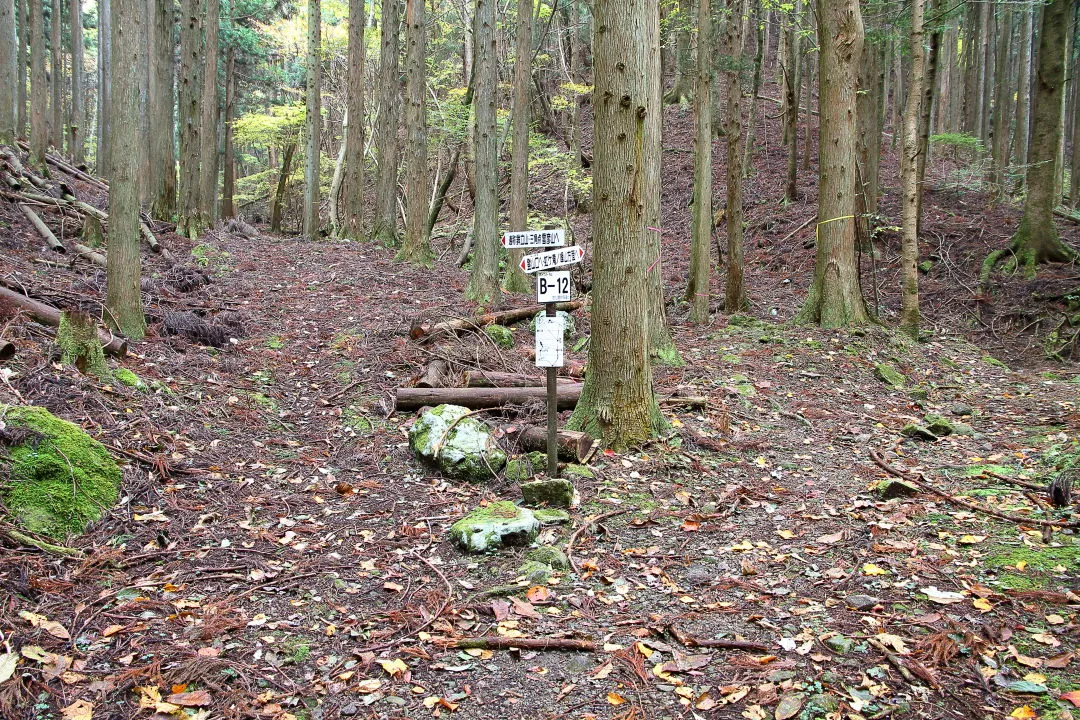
552 259
534 238
553 286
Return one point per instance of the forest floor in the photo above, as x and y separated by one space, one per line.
279 552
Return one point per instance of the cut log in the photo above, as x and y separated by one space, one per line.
486 378
48 315
573 446
42 229
475 398
569 369
506 317
6 350
435 375
88 253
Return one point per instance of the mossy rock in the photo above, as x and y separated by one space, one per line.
939 425
889 375
569 325
554 492
918 432
461 447
126 377
497 524
59 479
548 516
536 573
925 267
550 556
518 470
500 335
578 470
742 385
889 489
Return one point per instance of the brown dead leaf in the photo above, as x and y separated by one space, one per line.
195 698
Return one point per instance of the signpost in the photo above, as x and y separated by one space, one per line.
551 287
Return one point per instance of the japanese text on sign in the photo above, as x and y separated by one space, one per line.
552 259
534 238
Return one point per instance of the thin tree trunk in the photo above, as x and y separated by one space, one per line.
1023 94
124 296
162 150
39 129
352 206
1074 188
9 41
792 74
986 90
313 121
697 289
416 247
909 176
208 133
228 181
762 39
930 73
338 179
484 280
282 183
835 297
56 78
384 219
617 402
22 9
193 219
684 57
971 62
78 91
734 290
1002 89
515 280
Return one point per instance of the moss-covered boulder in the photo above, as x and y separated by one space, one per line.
56 479
550 556
126 377
554 492
500 335
461 447
889 489
551 516
918 432
889 375
497 524
939 425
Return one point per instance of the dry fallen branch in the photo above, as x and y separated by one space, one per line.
506 643
506 317
48 315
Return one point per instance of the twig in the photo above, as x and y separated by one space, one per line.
24 539
588 523
341 392
921 483
1021 483
690 641
507 643
908 673
426 625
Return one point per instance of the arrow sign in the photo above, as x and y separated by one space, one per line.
534 238
552 259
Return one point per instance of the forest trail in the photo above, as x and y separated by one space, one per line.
293 558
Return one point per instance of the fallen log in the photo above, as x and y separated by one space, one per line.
6 350
88 253
569 369
42 229
435 375
506 317
476 398
488 379
48 315
573 446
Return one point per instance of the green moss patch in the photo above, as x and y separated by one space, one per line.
1039 565
57 478
126 377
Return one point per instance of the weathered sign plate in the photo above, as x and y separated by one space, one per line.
554 286
552 259
549 341
534 238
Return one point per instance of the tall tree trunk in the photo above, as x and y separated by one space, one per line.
515 280
124 297
987 79
313 124
869 140
282 183
1059 174
9 40
792 75
1074 187
684 57
697 288
417 246
1002 89
104 85
1037 240
208 133
78 91
762 41
484 280
384 218
971 62
909 176
39 129
835 298
930 73
352 207
56 78
162 150
1023 93
734 290
22 10
193 219
228 174
617 402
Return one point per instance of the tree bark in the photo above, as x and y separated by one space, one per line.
734 289
22 10
684 57
162 150
39 129
228 174
104 88
352 206
572 446
1023 94
56 79
971 60
835 298
193 219
9 41
515 280
77 136
792 76
124 297
909 176
484 280
384 219
697 289
416 247
412 398
282 183
313 120
1037 240
1002 90
617 402
208 133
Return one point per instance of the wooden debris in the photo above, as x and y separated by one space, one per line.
506 317
476 398
573 446
42 228
491 378
48 315
507 643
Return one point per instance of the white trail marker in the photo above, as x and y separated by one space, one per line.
534 238
552 259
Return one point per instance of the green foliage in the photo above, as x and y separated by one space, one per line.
544 153
279 126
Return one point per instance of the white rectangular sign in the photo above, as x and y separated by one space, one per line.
553 286
552 259
534 238
549 341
